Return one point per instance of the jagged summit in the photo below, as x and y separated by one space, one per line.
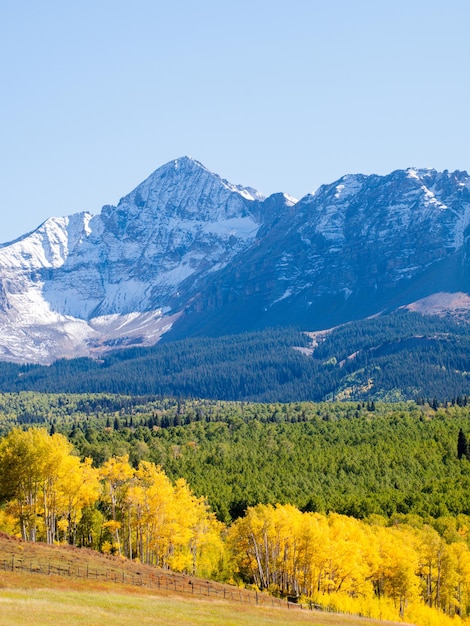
187 188
62 284
189 252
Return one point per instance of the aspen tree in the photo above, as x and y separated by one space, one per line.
79 488
30 470
116 473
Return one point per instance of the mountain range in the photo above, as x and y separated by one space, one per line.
187 253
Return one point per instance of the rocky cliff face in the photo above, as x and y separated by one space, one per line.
191 252
354 248
63 284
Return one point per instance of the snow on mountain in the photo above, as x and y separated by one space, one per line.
351 249
186 249
48 246
72 273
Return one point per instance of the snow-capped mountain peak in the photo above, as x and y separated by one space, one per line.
149 252
186 244
49 245
186 188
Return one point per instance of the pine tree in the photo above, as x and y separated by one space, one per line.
462 445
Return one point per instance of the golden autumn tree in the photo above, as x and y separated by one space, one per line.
460 595
116 475
157 522
395 573
150 502
42 481
173 528
349 564
432 554
79 488
22 476
267 545
208 550
314 549
55 451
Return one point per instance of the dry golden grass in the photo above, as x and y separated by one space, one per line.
31 599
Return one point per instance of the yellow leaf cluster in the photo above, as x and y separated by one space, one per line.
45 484
159 523
341 562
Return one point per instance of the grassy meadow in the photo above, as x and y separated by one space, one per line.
78 604
28 598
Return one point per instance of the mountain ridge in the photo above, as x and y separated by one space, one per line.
187 252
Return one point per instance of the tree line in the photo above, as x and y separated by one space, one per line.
50 495
401 567
400 356
352 458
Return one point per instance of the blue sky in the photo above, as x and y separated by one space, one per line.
281 96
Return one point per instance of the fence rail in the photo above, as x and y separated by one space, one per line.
162 582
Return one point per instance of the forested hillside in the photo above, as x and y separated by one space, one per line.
401 356
359 507
353 458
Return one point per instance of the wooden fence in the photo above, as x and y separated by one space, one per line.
168 582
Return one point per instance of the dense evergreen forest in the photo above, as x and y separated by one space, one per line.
358 459
401 356
355 506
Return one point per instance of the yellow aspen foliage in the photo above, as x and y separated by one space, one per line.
349 568
207 546
159 523
31 469
56 452
45 484
79 488
116 474
313 551
183 521
432 557
150 505
268 546
22 476
394 576
461 563
344 564
8 523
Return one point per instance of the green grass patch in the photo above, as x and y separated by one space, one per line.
43 607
